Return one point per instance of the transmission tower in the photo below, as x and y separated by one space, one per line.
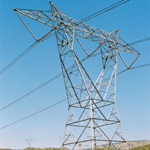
29 141
88 57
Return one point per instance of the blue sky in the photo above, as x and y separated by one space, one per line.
42 63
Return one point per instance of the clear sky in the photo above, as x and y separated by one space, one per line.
42 63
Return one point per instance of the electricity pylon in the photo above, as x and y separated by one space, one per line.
90 72
29 141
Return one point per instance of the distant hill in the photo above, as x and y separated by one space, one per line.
133 145
139 143
146 147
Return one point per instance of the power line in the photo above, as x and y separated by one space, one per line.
15 35
48 107
24 53
32 91
136 42
140 41
27 50
18 57
31 115
104 10
51 35
84 19
59 74
140 66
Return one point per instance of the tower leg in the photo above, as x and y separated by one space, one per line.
93 120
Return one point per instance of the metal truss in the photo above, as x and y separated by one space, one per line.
29 141
88 57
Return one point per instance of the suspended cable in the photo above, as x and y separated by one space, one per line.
58 75
45 83
18 57
25 51
51 35
32 91
140 66
140 41
31 115
15 35
84 19
48 107
104 10
135 42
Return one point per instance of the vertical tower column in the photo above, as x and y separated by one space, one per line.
91 104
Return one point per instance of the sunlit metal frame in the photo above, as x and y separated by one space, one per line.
89 97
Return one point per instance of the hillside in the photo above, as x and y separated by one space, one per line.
131 144
146 147
139 143
134 145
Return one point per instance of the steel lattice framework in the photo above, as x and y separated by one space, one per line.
89 76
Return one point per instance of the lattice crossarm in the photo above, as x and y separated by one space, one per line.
125 49
83 30
55 17
39 15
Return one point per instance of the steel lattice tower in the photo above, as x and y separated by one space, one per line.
89 76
